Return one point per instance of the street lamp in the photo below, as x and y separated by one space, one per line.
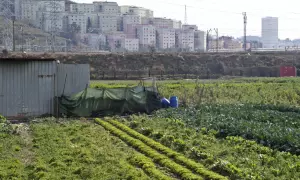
13 21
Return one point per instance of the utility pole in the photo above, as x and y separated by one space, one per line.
13 28
22 41
245 30
217 33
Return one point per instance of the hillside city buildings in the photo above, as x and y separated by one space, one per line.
104 25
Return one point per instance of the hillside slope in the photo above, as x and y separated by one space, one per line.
34 35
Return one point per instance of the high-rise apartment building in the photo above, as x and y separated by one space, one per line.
185 40
166 38
269 32
146 35
106 7
133 10
130 20
200 41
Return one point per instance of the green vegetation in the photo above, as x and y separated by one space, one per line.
232 156
163 160
66 150
12 161
280 91
196 167
265 125
245 128
148 166
79 150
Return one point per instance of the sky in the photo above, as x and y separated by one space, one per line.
226 15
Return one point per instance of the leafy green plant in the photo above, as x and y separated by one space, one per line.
237 152
148 166
5 126
163 160
79 150
196 167
264 124
2 119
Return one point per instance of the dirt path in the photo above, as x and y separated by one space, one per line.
26 154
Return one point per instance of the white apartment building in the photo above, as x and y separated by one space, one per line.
131 45
160 22
82 8
78 19
177 24
166 38
93 18
134 10
96 41
115 41
45 22
269 32
185 40
130 20
48 18
108 22
216 44
28 10
146 35
106 7
39 12
189 27
200 41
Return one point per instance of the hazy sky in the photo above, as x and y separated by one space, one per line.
227 14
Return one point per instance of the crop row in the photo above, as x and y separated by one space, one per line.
163 160
148 166
270 127
179 158
233 157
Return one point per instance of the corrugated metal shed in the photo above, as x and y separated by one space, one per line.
73 78
28 86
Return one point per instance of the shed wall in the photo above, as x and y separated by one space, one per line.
72 78
27 88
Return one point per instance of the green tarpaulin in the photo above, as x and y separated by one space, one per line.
102 102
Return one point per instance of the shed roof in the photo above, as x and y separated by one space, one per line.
27 59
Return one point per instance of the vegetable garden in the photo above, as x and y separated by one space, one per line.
225 129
